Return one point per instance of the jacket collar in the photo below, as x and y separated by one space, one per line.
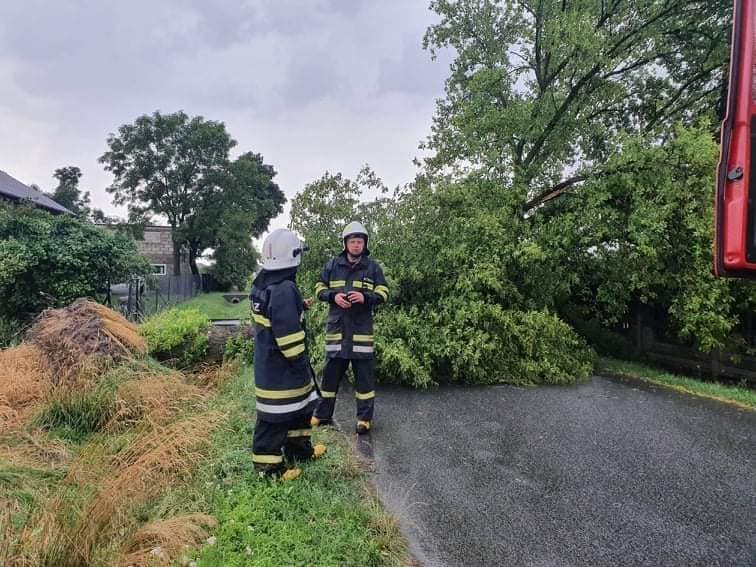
267 277
362 262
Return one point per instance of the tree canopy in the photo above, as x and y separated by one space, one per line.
569 183
67 192
179 167
541 92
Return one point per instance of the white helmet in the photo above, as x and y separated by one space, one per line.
354 228
282 249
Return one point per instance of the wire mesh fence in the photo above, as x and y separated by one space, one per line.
139 298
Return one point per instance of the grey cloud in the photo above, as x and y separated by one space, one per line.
312 78
413 72
315 71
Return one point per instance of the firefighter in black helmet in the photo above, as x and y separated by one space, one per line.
284 389
352 284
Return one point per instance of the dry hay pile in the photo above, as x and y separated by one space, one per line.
24 380
153 399
83 335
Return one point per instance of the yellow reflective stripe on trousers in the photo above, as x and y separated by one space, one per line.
363 338
260 320
337 283
333 336
288 339
293 351
299 433
326 394
283 394
267 459
365 396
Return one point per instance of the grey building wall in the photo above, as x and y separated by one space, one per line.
157 247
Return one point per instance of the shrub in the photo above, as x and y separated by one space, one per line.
178 337
49 261
239 347
10 332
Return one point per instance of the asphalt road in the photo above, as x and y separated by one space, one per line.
610 472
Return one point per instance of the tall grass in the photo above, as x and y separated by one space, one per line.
162 464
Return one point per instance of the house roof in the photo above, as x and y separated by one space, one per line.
13 189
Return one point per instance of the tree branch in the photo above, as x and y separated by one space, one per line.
554 191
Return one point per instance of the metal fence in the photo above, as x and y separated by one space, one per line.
140 298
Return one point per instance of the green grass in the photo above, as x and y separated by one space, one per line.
737 395
215 307
328 516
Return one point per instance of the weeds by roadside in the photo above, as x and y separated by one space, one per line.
740 396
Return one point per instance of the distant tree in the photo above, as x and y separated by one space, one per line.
235 257
68 194
165 164
179 167
234 209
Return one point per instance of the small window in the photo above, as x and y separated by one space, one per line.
158 269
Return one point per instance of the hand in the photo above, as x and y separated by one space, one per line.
356 297
342 301
308 302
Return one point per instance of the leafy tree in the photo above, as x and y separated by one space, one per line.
233 211
540 91
235 258
163 164
68 194
608 103
449 255
50 260
644 237
179 167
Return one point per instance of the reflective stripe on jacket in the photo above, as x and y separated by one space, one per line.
283 385
349 332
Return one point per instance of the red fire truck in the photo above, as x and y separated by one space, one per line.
735 206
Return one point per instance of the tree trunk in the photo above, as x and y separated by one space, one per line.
176 258
193 260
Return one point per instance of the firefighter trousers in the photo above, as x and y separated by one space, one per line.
275 441
364 391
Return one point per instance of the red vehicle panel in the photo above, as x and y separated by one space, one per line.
735 242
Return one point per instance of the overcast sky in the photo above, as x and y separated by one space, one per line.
313 85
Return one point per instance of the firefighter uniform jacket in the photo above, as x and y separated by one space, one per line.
283 385
349 332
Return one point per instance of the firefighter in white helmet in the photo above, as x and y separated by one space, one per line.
352 284
284 388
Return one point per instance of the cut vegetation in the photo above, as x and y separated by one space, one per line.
109 458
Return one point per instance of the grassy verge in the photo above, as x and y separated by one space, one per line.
739 396
158 471
329 516
215 307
